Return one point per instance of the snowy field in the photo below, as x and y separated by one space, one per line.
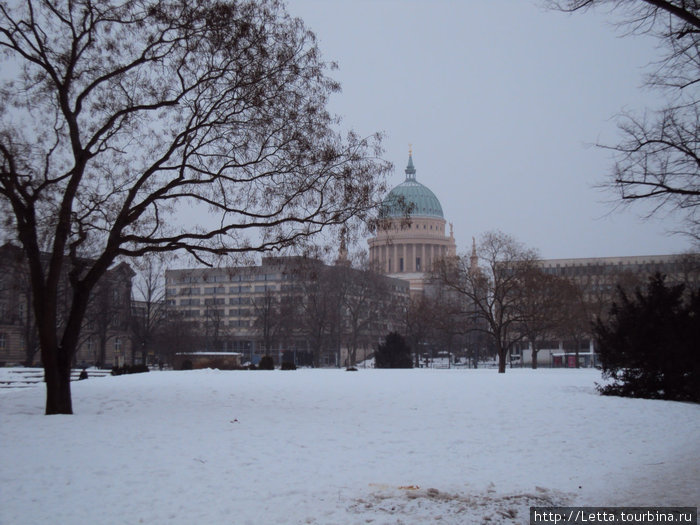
334 447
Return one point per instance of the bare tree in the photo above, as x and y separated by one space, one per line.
657 158
213 328
177 334
268 319
118 116
364 299
148 307
493 291
316 312
544 303
108 315
577 320
421 319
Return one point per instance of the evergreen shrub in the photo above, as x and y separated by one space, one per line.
393 353
649 345
266 363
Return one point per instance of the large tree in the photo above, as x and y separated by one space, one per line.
492 287
658 157
131 127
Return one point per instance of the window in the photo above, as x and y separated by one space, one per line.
3 341
118 344
418 264
401 264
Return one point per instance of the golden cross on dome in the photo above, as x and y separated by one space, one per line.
410 149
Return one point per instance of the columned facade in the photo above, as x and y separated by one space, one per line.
412 234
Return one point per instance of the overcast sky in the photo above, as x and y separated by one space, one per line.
502 101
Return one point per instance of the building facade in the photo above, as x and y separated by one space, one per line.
599 276
412 232
598 279
291 308
105 335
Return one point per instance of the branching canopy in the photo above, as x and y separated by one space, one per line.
131 127
657 159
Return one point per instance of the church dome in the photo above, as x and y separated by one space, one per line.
411 196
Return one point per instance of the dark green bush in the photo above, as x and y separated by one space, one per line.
288 366
394 353
266 363
649 345
129 369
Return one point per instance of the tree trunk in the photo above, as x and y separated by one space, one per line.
103 353
534 358
352 357
502 354
57 378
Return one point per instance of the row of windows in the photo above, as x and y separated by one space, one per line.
221 290
402 267
211 312
608 269
418 227
227 278
232 323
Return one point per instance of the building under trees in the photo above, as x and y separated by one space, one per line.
501 300
294 309
106 335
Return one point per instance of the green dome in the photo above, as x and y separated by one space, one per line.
411 196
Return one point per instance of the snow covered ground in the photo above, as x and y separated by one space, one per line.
336 447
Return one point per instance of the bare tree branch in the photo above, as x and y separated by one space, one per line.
149 126
657 159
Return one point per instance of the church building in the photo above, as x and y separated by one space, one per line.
412 233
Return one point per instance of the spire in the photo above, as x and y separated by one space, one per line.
342 259
410 170
474 259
